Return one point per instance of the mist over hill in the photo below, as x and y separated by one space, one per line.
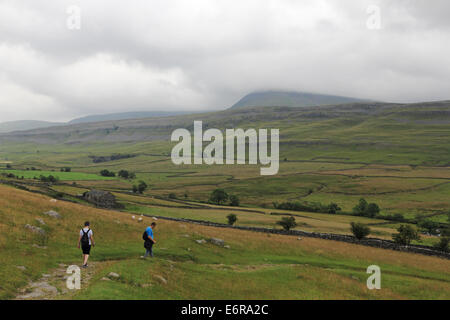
273 98
11 126
124 116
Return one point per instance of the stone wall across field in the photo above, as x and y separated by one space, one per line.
370 242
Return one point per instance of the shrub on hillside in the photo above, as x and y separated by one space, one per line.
443 244
232 218
405 235
107 173
365 209
428 226
359 230
234 201
218 196
287 223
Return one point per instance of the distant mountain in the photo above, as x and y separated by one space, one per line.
291 99
24 125
124 116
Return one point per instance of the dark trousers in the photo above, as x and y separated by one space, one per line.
148 249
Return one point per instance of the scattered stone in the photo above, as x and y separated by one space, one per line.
40 221
53 214
23 268
146 285
45 275
299 238
227 247
188 249
186 236
154 218
44 286
35 229
161 279
113 275
38 246
140 220
53 200
105 279
200 241
217 242
62 265
133 217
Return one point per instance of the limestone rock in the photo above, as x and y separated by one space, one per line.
160 279
35 229
217 242
53 214
113 275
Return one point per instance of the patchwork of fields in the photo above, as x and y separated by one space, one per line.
396 159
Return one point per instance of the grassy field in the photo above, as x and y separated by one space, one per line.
63 176
256 266
394 155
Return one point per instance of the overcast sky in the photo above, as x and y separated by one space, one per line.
206 54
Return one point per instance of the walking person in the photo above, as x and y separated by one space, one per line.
86 240
149 240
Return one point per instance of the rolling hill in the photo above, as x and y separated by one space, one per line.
291 99
123 116
24 125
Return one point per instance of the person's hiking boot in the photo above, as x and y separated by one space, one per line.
85 265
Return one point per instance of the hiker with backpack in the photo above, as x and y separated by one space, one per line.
86 240
149 240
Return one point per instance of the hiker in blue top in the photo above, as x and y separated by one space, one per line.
149 240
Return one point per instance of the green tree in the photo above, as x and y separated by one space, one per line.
287 223
428 226
372 210
405 235
142 186
218 196
361 208
234 201
333 208
124 174
107 173
443 244
232 218
359 230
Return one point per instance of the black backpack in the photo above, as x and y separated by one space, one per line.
144 236
85 238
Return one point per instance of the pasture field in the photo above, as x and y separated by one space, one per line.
256 266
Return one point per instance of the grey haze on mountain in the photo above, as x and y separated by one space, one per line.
22 125
204 55
290 99
123 116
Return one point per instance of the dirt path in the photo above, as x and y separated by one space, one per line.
53 285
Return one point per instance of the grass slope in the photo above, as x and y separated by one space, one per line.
257 266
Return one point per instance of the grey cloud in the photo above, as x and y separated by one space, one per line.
205 54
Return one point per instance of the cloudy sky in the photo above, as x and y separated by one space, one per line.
206 54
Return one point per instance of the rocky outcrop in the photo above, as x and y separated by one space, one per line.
102 199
